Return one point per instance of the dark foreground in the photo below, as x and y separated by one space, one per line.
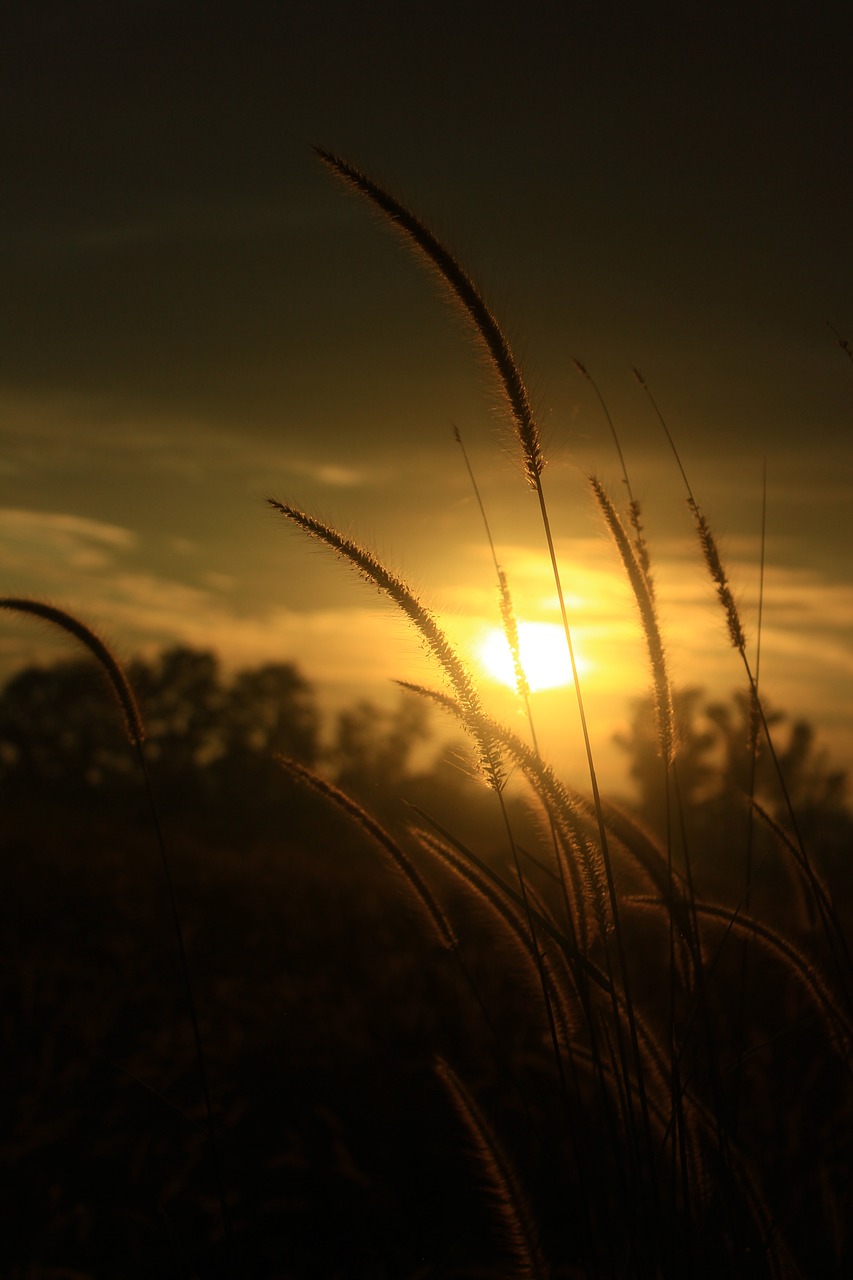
323 1005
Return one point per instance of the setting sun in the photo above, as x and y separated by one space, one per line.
543 655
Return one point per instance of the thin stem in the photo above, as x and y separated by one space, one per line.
750 830
835 935
126 698
188 988
608 871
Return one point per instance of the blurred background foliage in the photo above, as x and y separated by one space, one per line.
212 740
322 999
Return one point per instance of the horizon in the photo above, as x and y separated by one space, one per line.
204 320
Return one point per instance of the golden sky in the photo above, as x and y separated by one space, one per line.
194 317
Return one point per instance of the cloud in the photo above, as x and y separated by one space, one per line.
330 645
51 434
184 546
20 520
41 539
335 475
219 581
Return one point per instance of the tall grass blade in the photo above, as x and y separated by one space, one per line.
464 292
641 546
103 655
121 687
441 926
519 1234
834 932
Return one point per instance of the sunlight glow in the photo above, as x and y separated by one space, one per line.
543 655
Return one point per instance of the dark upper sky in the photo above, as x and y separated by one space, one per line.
166 237
191 310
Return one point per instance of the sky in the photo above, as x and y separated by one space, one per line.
194 317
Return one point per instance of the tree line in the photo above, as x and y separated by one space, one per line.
212 739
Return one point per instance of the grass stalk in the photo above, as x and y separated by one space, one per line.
123 692
641 546
832 928
754 742
489 333
465 690
843 343
523 1257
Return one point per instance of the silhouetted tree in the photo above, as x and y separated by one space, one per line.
209 742
270 710
371 754
182 699
716 771
60 732
696 770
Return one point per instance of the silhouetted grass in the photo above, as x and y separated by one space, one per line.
432 1054
650 1069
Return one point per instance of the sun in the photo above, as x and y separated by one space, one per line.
544 655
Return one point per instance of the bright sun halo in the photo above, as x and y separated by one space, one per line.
543 655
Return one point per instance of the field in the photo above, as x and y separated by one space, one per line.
563 1039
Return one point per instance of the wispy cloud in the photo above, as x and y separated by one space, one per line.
52 435
29 539
336 475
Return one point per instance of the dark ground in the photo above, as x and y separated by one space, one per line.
322 1002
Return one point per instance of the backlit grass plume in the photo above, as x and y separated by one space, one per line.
707 541
640 582
464 292
720 578
121 688
103 655
390 847
641 546
512 1213
510 622
375 572
834 930
675 1112
463 685
506 367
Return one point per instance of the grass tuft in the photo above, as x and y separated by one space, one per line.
103 655
669 1107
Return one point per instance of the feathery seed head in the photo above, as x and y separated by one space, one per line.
644 597
510 625
640 545
110 665
376 573
509 1203
465 293
402 861
710 551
